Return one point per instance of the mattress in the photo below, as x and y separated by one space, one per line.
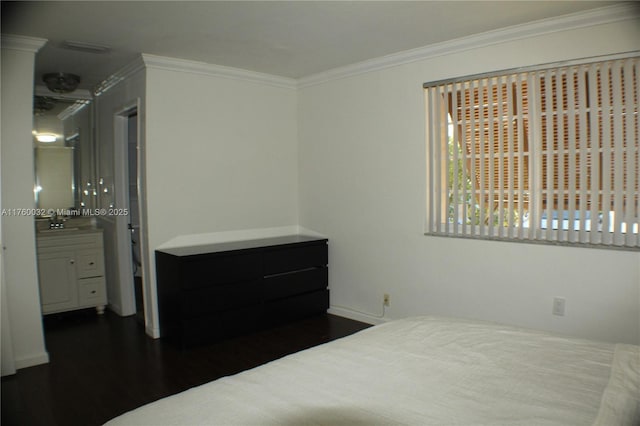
422 371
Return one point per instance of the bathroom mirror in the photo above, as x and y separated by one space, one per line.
64 153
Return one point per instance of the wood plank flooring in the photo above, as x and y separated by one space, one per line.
103 366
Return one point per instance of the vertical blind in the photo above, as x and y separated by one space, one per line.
547 154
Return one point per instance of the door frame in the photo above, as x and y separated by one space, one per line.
121 183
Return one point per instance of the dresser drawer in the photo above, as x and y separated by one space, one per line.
89 263
296 307
292 283
205 271
218 326
91 292
220 298
294 258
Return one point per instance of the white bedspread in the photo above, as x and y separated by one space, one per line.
422 371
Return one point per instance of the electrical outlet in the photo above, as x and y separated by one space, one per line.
385 299
559 306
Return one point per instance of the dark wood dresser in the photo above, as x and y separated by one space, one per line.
210 292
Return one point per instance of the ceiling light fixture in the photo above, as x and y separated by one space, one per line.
61 82
46 137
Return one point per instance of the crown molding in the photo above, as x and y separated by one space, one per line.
202 68
72 109
119 76
78 94
24 43
604 15
145 61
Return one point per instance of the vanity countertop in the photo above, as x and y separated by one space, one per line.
74 226
66 231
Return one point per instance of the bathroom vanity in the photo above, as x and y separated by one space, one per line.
71 269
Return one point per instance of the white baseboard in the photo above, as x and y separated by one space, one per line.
32 360
357 316
115 308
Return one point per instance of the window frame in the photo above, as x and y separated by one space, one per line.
436 220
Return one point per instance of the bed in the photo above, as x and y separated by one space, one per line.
422 371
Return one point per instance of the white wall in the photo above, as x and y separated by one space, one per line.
362 183
221 155
18 234
124 95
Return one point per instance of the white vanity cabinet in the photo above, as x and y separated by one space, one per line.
71 270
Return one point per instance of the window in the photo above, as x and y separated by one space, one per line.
548 154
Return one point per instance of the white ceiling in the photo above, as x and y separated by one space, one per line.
290 39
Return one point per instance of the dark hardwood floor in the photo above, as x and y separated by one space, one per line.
103 366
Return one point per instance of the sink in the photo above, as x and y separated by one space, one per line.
56 230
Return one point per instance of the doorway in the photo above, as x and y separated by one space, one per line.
129 225
134 212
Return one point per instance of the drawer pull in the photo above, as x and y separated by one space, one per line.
91 263
72 261
93 292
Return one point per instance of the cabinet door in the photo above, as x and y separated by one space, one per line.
58 287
